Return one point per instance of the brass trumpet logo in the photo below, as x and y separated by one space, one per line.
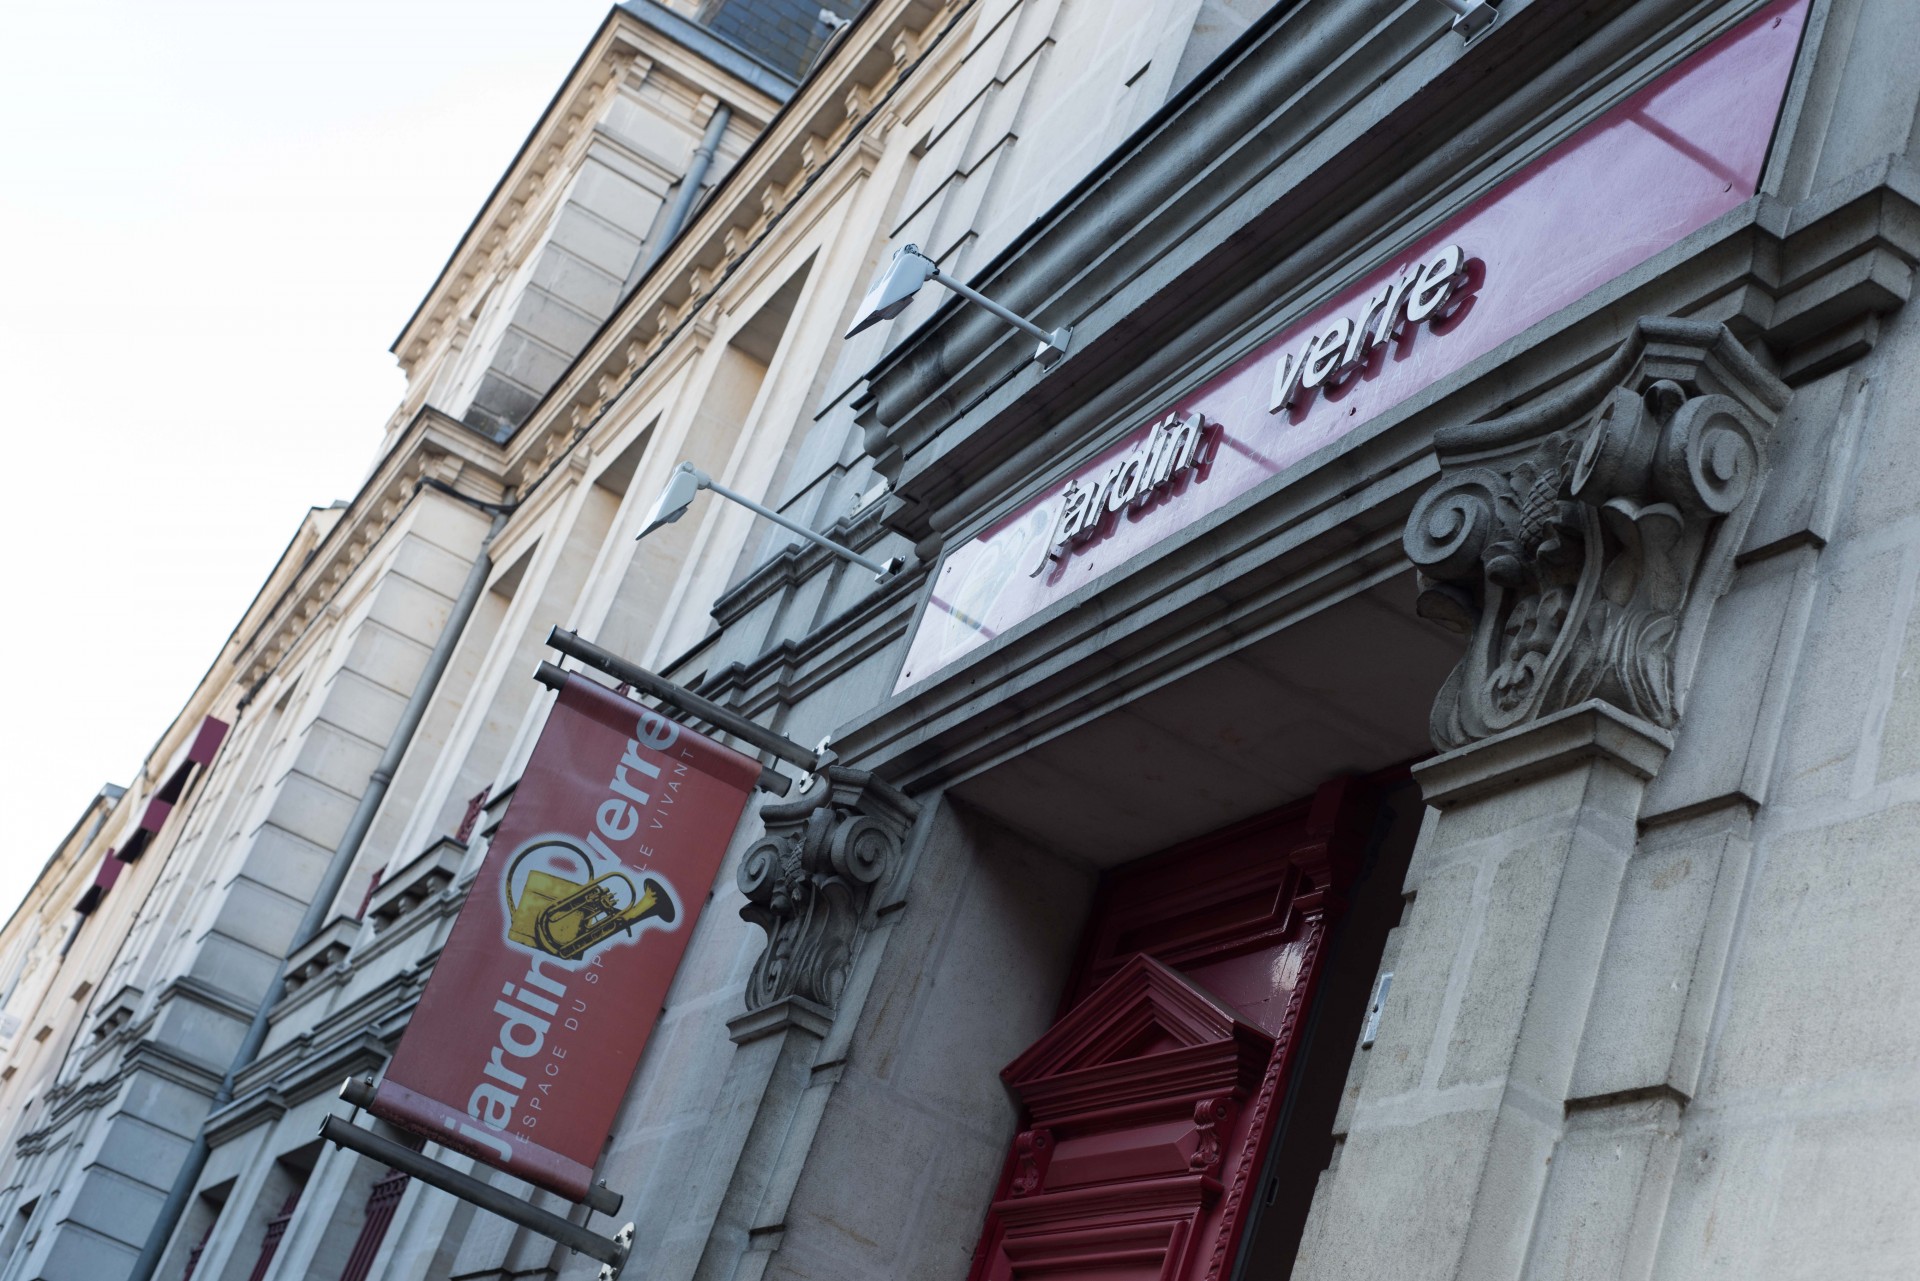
568 918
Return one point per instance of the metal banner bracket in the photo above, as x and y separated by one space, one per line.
685 700
612 1252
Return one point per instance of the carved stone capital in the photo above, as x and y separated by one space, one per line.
809 880
1579 542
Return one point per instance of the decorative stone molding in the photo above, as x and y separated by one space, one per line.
1208 1116
801 144
1579 542
430 872
322 952
116 1011
1033 1152
433 447
809 880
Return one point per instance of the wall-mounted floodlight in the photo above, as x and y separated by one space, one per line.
1471 18
911 269
687 481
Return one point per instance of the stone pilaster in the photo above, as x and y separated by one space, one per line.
1579 544
810 883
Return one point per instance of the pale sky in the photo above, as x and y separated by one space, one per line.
215 219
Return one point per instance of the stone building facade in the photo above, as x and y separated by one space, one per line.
1394 757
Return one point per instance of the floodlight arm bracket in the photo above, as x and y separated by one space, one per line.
1471 18
1053 344
881 569
892 293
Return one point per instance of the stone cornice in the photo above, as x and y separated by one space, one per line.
825 138
294 1081
423 897
62 1104
625 41
434 447
784 673
124 1040
323 952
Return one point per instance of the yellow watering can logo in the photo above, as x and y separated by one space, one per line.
555 904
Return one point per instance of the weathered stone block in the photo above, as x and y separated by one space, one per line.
978 1006
447 523
1656 954
410 609
859 1197
1798 460
945 1226
594 240
340 760
1429 942
1795 1189
386 658
233 967
1722 750
311 810
418 559
199 1031
1515 901
554 321
1838 684
141 1151
1611 1173
281 858
574 279
86 1256
526 361
115 1206
163 1103
258 916
612 195
361 707
1399 1201
1900 732
1822 985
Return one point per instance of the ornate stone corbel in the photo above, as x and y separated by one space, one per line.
809 880
1579 542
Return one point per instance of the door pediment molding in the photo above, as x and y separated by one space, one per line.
1148 1039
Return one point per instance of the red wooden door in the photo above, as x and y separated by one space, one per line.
1149 1104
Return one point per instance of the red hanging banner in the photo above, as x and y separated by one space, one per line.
543 998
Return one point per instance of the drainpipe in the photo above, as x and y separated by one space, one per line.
683 202
322 901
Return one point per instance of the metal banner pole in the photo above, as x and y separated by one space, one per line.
685 699
611 1251
771 780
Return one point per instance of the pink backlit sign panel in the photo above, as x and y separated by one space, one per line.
1662 164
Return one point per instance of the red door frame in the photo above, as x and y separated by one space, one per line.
1227 910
